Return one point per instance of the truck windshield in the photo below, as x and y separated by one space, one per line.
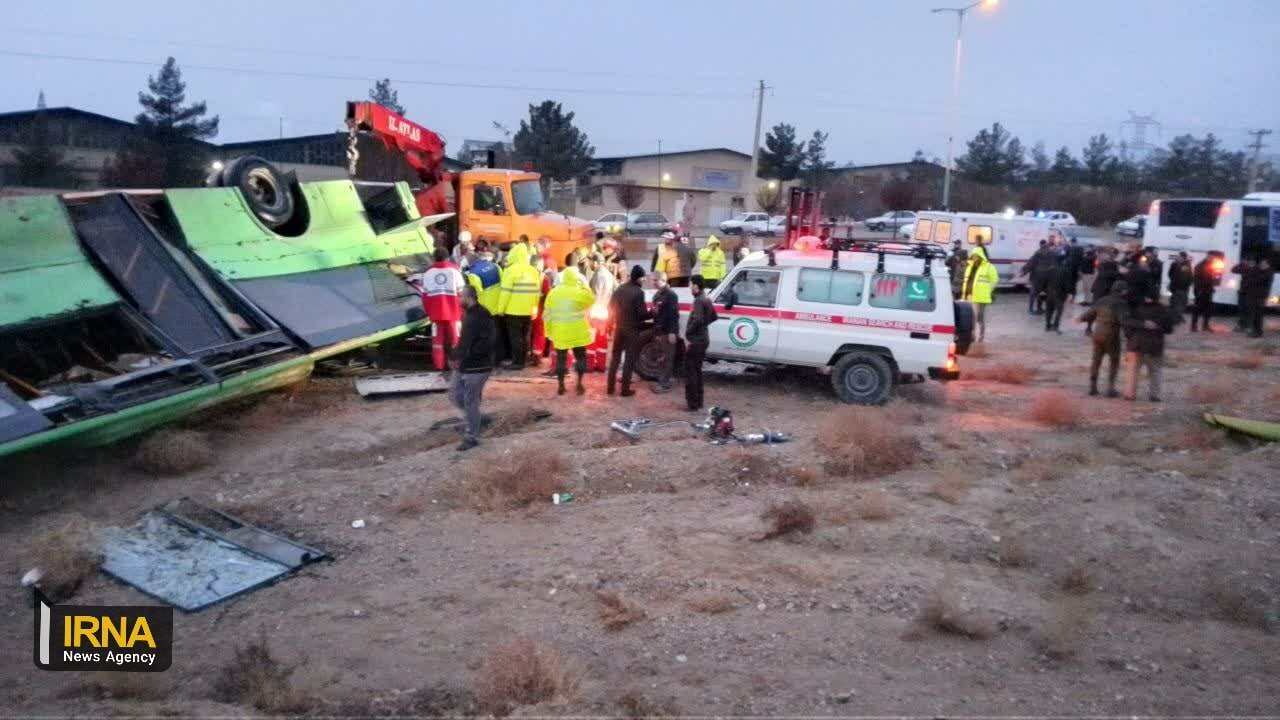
527 196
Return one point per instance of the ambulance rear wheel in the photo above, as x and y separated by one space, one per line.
862 378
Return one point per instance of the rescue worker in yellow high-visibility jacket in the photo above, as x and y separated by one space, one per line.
518 302
567 325
980 279
711 260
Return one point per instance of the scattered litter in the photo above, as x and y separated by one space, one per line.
31 577
192 556
357 524
399 384
561 498
718 428
682 658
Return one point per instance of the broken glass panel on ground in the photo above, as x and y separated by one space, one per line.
192 556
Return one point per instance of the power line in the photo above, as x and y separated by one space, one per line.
403 81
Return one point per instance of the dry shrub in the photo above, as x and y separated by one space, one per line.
256 677
1230 599
635 705
865 442
1075 580
1273 395
173 452
1056 409
950 486
711 603
1006 374
524 672
1200 438
409 505
788 517
943 611
616 612
1248 361
1011 551
875 506
1040 470
125 686
803 476
1064 634
508 480
978 351
1217 390
65 557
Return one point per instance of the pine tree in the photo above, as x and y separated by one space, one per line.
167 151
39 162
782 155
1065 168
815 167
1038 171
994 157
1099 162
553 144
383 94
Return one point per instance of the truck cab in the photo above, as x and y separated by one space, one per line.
502 205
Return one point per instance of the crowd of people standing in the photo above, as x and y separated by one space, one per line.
491 315
1123 293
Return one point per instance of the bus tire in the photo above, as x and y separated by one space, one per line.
265 190
862 378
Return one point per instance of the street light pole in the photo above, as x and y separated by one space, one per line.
955 94
659 177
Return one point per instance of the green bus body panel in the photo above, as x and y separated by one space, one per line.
219 226
130 421
43 271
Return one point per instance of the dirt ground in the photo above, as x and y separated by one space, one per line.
1120 566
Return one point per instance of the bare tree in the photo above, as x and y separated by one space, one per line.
630 196
769 199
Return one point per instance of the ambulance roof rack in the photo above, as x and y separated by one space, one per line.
924 251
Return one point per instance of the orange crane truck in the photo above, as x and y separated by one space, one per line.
496 205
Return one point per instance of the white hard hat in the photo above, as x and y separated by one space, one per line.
668 235
464 236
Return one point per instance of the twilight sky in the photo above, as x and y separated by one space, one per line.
874 74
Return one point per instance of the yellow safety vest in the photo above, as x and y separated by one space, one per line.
521 285
711 258
565 312
980 278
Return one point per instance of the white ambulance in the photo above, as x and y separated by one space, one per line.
1010 239
871 315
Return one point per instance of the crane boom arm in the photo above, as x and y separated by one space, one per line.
422 148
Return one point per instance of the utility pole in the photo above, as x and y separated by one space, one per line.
281 126
659 176
755 138
1257 157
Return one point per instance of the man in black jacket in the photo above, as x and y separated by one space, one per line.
666 329
696 340
1059 283
1109 313
1181 276
628 312
1204 280
1036 267
1145 326
474 354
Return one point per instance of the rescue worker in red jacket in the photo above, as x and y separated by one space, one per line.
441 284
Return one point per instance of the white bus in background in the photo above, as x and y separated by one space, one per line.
1010 239
1230 229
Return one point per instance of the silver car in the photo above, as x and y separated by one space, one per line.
637 223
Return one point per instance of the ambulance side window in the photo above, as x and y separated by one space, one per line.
755 288
979 234
903 292
923 230
942 232
838 287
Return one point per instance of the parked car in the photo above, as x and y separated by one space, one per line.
740 223
774 226
906 231
1059 217
893 220
1130 226
637 223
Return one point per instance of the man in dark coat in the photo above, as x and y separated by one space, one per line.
1205 278
629 312
1145 327
696 340
1181 275
1108 272
666 329
1059 283
1256 276
474 354
1036 268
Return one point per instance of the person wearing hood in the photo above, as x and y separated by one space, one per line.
567 324
980 279
518 303
674 259
711 262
